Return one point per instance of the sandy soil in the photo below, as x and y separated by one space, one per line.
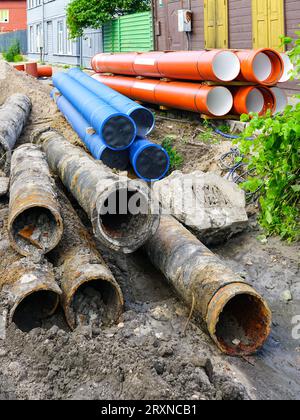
147 355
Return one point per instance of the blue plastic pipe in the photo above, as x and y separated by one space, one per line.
116 129
94 143
150 161
143 117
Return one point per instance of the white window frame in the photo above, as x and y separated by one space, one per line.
69 42
60 37
31 39
4 19
38 37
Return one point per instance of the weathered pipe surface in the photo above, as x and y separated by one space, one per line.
35 224
236 316
91 295
28 289
123 212
13 116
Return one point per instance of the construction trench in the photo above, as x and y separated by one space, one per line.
89 313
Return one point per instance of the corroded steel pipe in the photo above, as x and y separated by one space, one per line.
35 224
237 318
123 213
264 66
27 288
195 97
256 99
214 65
13 116
81 267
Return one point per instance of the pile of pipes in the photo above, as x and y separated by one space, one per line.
40 232
34 70
112 126
213 83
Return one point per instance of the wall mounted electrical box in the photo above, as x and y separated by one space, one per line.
185 18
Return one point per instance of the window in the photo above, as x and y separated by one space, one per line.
69 43
38 36
31 39
4 16
60 37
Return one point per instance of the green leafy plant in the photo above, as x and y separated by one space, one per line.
13 54
274 158
82 14
176 159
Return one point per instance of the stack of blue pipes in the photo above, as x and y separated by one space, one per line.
112 126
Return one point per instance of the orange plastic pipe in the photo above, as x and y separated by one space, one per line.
264 66
31 68
214 65
195 97
256 99
45 71
19 67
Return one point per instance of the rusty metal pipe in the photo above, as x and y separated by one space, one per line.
253 99
195 97
123 213
81 266
28 289
214 65
13 116
237 318
35 225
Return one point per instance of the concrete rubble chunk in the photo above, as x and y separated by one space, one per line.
209 205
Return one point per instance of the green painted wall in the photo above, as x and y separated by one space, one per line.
129 33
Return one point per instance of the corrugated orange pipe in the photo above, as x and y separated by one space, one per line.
264 66
256 99
195 97
214 65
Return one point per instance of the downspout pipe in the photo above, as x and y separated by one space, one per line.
82 268
237 318
14 114
143 117
28 289
117 130
123 212
35 225
96 146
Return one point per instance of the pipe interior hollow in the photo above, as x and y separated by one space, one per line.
226 66
219 101
118 132
152 163
124 214
255 101
262 67
35 229
95 303
34 308
144 121
242 326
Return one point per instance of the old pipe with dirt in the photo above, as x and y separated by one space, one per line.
123 212
91 296
143 117
264 66
195 97
28 291
214 65
13 116
237 318
35 225
96 146
117 129
253 99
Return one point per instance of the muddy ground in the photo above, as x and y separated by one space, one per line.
147 355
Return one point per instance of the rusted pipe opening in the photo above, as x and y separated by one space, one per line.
255 101
144 121
32 309
241 323
226 66
124 214
35 229
219 101
96 303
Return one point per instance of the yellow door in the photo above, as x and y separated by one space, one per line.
216 23
268 23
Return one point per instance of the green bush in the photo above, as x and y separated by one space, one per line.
176 159
13 54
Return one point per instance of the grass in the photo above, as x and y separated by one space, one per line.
176 159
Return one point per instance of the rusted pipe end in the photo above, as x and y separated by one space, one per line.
238 319
5 156
35 227
35 296
94 297
126 216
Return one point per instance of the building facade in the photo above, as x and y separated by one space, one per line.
48 35
13 15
